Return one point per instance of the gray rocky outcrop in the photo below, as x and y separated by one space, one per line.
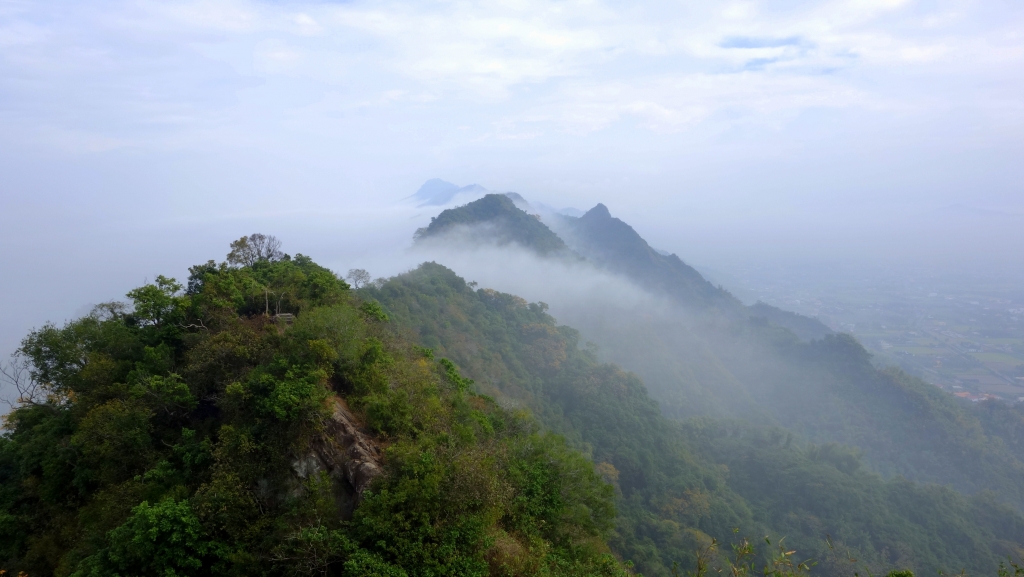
348 454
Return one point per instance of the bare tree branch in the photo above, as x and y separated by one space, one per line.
266 247
196 325
358 276
18 375
254 248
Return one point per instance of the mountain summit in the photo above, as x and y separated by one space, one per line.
495 219
607 242
437 192
613 244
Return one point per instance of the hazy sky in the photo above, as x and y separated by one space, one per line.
137 138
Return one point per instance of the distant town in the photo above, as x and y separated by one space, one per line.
964 335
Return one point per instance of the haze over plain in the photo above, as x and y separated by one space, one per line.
141 137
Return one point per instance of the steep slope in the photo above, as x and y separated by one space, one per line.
731 361
806 328
616 246
826 390
495 219
613 244
673 491
194 434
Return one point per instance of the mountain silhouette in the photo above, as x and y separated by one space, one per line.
437 192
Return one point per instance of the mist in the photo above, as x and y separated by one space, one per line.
666 343
574 290
138 138
778 249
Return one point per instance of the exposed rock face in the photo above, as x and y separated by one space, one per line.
346 453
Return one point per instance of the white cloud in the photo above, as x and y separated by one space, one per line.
576 66
711 126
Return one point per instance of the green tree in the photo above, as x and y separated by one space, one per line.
161 540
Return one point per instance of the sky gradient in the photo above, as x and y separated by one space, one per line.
137 138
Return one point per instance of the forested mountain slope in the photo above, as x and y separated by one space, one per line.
680 484
267 421
495 219
613 244
804 327
704 354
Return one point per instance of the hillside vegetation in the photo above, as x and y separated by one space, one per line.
678 485
702 353
265 420
495 219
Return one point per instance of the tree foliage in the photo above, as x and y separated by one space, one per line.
497 218
175 435
679 485
249 250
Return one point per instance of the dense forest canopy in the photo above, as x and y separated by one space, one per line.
264 417
681 484
266 420
701 352
505 224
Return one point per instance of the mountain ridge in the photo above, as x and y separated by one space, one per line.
420 426
680 484
437 192
496 219
615 245
777 368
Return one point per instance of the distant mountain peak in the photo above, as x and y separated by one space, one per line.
434 190
437 192
613 244
599 212
503 223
